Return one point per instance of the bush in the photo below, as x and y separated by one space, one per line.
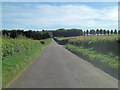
42 42
106 63
11 46
102 50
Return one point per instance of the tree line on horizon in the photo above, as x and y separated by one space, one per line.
44 34
36 35
78 32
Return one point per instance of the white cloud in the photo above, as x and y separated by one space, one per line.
60 0
64 15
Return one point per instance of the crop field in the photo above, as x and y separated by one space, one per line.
100 50
17 54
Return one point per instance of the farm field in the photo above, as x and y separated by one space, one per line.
22 63
20 48
17 54
100 50
59 44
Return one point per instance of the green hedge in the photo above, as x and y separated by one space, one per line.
106 63
100 50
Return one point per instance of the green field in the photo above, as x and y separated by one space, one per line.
17 54
100 50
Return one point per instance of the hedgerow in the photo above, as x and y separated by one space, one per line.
106 63
100 50
11 46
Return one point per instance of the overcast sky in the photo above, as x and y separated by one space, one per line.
39 15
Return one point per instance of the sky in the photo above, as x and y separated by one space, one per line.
55 15
60 0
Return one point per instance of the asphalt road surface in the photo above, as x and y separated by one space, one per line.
57 67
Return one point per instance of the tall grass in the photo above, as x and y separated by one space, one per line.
11 46
104 62
105 44
17 54
101 50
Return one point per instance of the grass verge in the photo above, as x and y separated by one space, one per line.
104 62
12 65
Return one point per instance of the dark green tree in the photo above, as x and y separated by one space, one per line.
92 32
36 35
101 31
108 32
87 32
104 32
118 31
67 32
84 33
115 32
97 32
111 32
